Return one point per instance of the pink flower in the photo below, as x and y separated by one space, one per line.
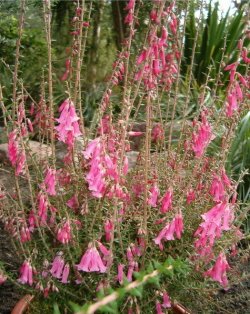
16 155
105 125
129 18
26 274
64 233
190 196
32 221
130 5
57 266
142 57
42 208
108 227
3 278
158 308
65 274
50 181
157 133
202 137
129 255
168 233
216 220
96 175
131 268
25 234
153 195
166 300
231 104
91 261
67 70
218 271
137 189
73 202
156 67
166 203
68 128
20 163
153 16
173 24
13 147
217 189
244 55
120 274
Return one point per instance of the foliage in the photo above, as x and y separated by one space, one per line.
214 40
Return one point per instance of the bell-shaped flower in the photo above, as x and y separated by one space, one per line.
26 274
64 233
91 261
108 227
68 128
166 300
218 271
153 195
166 203
172 229
202 137
42 208
65 274
50 181
217 189
57 267
120 274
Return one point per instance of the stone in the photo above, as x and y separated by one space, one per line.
34 149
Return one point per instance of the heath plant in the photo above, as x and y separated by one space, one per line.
99 220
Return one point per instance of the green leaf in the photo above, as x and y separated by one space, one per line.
56 309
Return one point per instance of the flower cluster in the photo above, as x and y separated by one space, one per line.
68 128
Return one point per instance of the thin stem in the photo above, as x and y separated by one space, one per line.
17 54
47 22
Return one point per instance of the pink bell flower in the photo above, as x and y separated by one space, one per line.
50 181
157 133
190 196
202 137
166 203
26 274
42 208
13 147
65 274
153 195
217 189
57 267
218 271
172 229
25 234
108 227
64 233
91 261
120 274
166 301
68 128
158 308
73 202
216 220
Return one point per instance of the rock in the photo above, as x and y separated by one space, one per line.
34 149
132 159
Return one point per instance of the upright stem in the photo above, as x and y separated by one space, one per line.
17 53
147 162
47 22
